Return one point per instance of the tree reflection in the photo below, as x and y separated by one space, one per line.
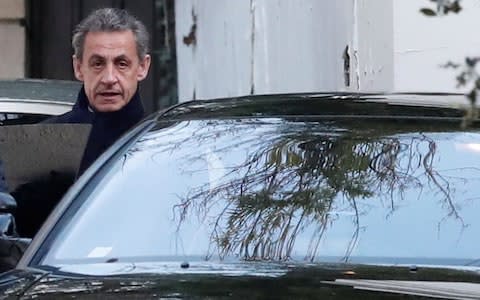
298 178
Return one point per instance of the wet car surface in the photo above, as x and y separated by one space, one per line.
296 282
286 196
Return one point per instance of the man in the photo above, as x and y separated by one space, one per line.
110 58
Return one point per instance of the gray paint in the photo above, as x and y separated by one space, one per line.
299 46
373 45
30 152
422 44
232 48
218 64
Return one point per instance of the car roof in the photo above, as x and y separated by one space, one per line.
40 89
405 105
37 96
380 105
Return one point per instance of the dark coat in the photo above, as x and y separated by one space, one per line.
80 113
106 127
36 199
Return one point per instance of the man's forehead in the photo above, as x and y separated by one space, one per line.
111 45
105 38
91 55
126 33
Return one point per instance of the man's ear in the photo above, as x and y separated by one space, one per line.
77 68
143 68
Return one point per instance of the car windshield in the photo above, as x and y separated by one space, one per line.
281 189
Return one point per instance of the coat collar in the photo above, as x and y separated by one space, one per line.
133 110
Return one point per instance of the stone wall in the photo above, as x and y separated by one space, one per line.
12 39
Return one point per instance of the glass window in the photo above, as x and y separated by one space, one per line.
280 189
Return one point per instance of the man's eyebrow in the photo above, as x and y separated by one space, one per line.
96 57
121 57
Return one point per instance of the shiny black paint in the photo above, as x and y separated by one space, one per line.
300 282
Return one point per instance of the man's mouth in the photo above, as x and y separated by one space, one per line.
109 94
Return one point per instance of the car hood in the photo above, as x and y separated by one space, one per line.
327 281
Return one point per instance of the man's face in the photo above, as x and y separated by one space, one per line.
110 69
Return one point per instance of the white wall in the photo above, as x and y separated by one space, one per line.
279 46
374 43
299 45
422 44
265 46
219 63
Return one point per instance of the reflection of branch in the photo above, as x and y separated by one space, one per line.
315 241
356 232
435 177
265 213
388 171
288 183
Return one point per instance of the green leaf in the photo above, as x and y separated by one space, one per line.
456 8
472 96
428 12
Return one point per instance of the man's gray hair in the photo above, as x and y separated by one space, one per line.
110 20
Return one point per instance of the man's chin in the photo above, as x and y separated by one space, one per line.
108 107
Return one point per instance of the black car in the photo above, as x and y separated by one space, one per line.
326 196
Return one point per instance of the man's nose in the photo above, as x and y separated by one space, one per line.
109 75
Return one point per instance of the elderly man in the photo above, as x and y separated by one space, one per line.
110 58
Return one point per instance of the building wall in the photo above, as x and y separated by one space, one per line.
12 39
232 48
262 46
422 44
277 46
373 45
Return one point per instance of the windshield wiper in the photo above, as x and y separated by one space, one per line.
436 289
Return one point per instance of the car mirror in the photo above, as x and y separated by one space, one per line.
7 225
7 203
11 251
11 246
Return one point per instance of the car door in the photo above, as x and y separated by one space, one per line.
38 164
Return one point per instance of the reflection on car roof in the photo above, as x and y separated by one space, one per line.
40 89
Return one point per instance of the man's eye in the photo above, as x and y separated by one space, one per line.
97 64
123 65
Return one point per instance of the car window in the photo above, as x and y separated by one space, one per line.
39 163
19 118
278 189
